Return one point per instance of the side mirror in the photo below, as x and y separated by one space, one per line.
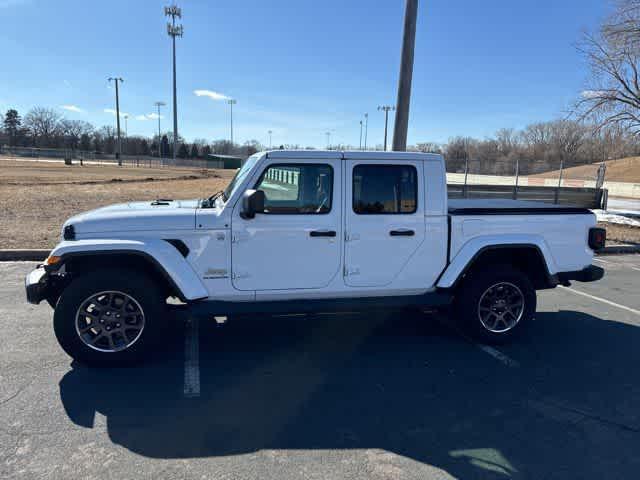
252 203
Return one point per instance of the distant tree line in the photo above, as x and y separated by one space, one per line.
539 147
47 128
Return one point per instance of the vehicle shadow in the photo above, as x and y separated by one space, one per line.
389 381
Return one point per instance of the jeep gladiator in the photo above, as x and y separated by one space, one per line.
309 231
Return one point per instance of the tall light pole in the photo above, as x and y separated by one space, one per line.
270 132
328 134
174 31
119 152
231 103
126 133
401 124
360 134
386 109
158 105
366 129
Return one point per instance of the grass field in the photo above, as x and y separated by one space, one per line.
621 170
37 197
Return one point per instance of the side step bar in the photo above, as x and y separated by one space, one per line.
207 308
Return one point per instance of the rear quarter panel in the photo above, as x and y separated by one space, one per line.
563 239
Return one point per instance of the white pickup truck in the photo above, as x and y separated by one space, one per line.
308 231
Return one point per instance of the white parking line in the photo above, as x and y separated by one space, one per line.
192 359
605 262
603 300
494 352
498 355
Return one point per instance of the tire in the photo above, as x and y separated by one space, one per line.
128 304
486 298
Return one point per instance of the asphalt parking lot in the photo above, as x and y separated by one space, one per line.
384 395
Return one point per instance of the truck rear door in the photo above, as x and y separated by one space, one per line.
384 219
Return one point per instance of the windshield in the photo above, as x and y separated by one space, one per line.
240 176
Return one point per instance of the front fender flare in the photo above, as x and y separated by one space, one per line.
470 250
162 254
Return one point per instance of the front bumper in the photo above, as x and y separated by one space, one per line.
36 285
591 273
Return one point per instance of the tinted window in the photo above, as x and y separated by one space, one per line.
302 189
384 189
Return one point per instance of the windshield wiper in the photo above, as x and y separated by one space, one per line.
209 201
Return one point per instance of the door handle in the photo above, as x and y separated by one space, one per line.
322 233
402 233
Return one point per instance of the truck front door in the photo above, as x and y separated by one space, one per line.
296 242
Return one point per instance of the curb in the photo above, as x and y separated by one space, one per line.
20 255
619 250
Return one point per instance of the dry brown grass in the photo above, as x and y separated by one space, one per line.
622 170
621 233
35 199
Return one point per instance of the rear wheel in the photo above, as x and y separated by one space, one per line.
495 305
110 317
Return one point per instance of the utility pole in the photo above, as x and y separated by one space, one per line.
366 129
386 109
360 134
119 152
401 124
174 31
270 132
231 103
158 105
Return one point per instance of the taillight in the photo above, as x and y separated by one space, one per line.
597 238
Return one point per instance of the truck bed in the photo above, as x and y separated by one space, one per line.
510 207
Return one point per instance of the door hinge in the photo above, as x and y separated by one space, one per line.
349 271
350 237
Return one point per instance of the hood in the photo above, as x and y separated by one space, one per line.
137 216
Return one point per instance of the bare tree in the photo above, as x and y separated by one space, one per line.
613 54
43 123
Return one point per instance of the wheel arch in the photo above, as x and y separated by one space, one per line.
530 258
160 259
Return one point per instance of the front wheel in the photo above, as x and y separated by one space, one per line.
110 317
495 305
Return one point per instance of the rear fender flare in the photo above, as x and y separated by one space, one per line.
471 250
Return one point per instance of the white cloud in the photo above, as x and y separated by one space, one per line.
72 108
113 112
211 94
148 116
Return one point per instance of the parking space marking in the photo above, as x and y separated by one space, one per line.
603 300
498 355
605 262
192 359
494 352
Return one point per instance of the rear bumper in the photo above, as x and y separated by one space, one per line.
590 274
36 285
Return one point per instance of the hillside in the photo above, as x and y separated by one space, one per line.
621 170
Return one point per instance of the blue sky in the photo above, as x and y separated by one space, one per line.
299 68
